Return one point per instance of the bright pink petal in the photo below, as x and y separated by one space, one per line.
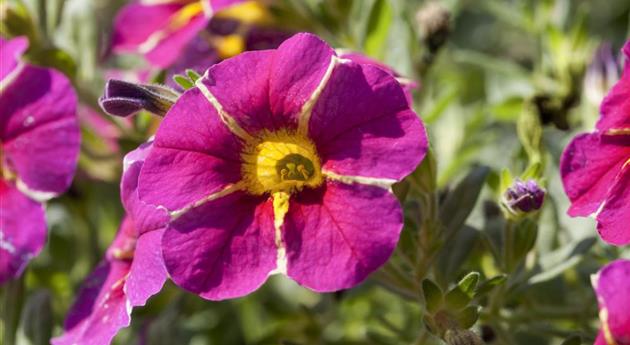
135 23
589 167
247 102
337 235
298 68
194 155
614 217
146 217
363 126
101 310
10 53
615 108
612 292
218 5
39 129
22 231
169 49
223 249
147 274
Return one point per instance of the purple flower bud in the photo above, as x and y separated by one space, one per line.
122 98
524 197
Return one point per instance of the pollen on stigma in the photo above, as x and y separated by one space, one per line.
280 161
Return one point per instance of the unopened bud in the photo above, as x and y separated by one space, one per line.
462 337
434 21
122 98
523 197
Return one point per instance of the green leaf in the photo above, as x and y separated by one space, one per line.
524 239
378 26
490 284
183 81
193 75
450 261
457 299
468 284
555 263
37 318
461 201
433 296
468 317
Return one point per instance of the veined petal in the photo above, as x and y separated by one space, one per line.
39 129
615 108
336 235
147 273
131 27
362 125
589 167
22 231
614 217
299 68
184 168
101 309
223 249
167 49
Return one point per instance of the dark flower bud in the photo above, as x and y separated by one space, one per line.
122 98
434 21
523 197
462 337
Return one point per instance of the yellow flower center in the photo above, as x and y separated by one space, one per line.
280 161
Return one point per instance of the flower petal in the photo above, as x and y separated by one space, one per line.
363 126
223 249
616 105
241 85
10 53
614 300
193 156
101 309
336 235
147 274
169 49
614 217
22 231
146 217
39 129
131 27
589 167
299 66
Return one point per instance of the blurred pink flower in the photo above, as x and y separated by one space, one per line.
611 286
39 148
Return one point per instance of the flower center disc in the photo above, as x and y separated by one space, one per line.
280 162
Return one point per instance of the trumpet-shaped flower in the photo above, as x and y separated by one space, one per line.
132 271
39 147
281 161
595 166
611 286
161 29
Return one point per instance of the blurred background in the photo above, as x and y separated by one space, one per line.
488 74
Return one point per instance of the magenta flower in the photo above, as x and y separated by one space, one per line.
611 286
161 29
132 272
39 147
595 167
281 161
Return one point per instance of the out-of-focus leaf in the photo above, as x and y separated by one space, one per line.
574 340
459 248
432 295
468 317
460 202
54 58
37 319
378 26
555 263
490 284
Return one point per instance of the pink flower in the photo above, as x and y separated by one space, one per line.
611 286
161 29
132 271
595 166
281 161
39 147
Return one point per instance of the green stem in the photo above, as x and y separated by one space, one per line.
12 300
